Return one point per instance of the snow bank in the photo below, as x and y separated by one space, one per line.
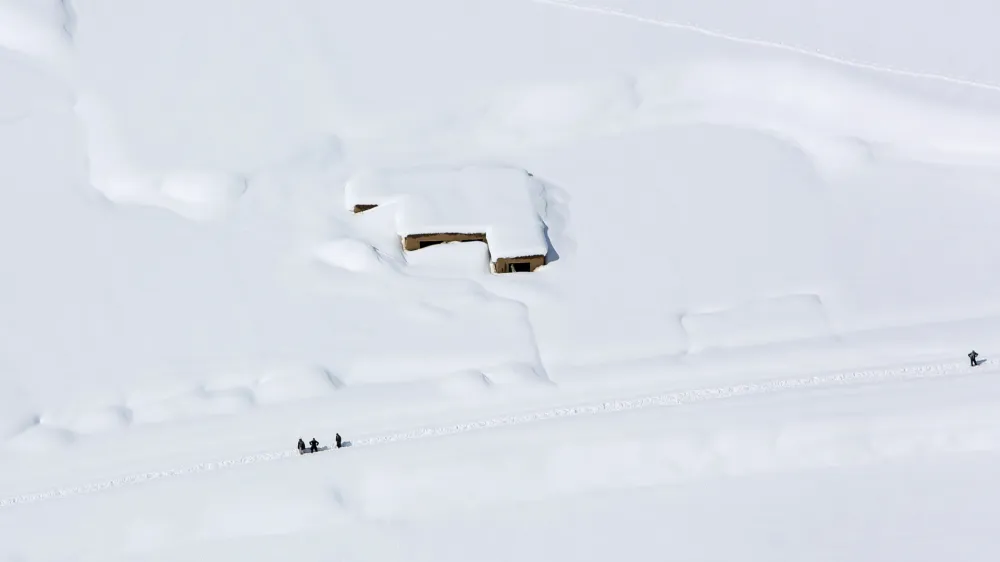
502 203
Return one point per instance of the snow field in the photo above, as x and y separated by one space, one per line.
727 213
570 320
251 393
761 322
830 103
588 455
789 434
446 485
228 80
840 116
447 424
28 90
913 507
225 509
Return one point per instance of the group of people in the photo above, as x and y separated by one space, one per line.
314 444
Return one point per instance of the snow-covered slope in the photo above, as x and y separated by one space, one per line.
733 200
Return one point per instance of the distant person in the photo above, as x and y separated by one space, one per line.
972 358
314 445
302 445
338 440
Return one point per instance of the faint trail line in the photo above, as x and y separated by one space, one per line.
769 44
676 398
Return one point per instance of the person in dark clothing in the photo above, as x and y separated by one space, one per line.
972 357
302 445
338 440
314 445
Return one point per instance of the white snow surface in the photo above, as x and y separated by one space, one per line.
769 251
502 203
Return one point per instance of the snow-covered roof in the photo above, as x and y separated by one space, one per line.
501 202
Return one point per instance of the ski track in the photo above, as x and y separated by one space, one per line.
769 45
677 398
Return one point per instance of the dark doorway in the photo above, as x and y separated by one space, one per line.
425 243
518 266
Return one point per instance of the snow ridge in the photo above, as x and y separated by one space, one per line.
770 45
676 398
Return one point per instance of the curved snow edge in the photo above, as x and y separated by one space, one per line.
676 398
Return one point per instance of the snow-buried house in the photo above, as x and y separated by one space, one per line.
496 205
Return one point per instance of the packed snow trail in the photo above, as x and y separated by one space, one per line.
676 398
769 45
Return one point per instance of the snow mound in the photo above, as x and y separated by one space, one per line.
37 28
41 437
465 384
197 194
101 420
472 383
500 202
221 395
763 321
349 254
294 385
228 394
515 374
196 403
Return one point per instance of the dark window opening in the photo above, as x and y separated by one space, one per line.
518 266
425 243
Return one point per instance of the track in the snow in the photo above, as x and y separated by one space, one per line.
676 398
614 12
